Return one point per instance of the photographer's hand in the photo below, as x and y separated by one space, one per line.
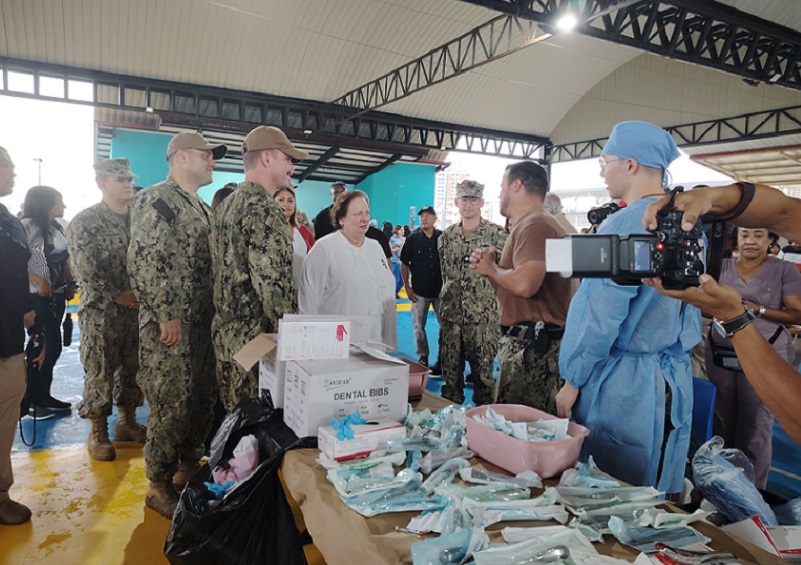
694 204
722 302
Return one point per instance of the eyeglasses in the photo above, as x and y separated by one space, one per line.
604 162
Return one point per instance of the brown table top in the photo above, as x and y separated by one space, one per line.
345 537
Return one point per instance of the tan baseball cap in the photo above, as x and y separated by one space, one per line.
268 137
193 140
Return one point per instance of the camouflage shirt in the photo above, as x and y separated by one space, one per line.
98 241
169 259
466 296
253 285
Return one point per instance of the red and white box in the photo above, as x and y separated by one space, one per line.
366 438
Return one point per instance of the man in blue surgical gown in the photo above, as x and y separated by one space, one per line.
625 354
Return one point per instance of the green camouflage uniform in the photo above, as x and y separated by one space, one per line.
170 265
253 285
98 243
468 312
527 377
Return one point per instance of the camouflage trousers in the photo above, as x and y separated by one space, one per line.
109 354
180 388
527 377
235 383
476 343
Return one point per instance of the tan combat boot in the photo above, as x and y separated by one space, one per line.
186 470
127 428
162 498
99 445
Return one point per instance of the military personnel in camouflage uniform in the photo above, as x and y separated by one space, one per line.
532 303
169 260
468 309
252 248
98 243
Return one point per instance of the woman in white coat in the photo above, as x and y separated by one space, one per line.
347 274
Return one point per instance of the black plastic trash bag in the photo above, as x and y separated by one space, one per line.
254 523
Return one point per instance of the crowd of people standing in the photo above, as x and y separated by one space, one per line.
173 289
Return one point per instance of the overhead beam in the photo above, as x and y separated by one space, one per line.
198 106
756 125
380 167
493 40
321 160
705 33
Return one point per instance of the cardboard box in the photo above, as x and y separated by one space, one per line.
369 382
263 349
307 337
784 541
367 438
272 377
313 337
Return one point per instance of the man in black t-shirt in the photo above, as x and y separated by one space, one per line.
420 258
322 222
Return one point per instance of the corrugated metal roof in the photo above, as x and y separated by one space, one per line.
775 161
320 49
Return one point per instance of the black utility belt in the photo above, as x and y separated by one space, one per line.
534 331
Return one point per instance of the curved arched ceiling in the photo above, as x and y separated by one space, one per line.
320 49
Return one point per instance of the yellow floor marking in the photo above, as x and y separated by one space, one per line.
84 511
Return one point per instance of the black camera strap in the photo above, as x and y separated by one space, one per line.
717 248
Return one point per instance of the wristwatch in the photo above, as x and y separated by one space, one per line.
731 327
761 312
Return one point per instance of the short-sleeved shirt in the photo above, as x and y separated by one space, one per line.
792 254
774 280
420 254
527 243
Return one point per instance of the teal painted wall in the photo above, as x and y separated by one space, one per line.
312 196
147 152
394 190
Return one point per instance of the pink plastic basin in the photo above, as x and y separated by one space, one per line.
418 376
547 458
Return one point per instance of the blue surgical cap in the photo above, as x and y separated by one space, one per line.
646 143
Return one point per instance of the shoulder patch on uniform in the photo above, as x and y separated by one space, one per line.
164 211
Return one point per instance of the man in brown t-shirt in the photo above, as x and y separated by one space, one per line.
533 304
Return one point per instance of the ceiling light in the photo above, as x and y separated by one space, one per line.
567 22
307 132
149 110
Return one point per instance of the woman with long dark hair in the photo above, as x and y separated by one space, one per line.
51 285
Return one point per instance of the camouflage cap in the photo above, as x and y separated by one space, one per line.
113 168
470 188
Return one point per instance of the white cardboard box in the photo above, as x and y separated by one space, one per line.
366 438
305 337
784 541
369 382
313 337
